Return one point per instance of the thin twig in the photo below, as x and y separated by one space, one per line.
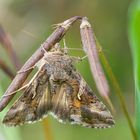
89 46
47 129
117 89
6 69
6 42
55 37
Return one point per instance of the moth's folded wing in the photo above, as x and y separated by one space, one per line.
32 105
60 103
88 110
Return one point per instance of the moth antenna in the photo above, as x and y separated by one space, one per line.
82 58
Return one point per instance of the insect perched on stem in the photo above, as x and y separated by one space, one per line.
59 89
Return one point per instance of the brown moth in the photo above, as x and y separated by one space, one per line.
60 90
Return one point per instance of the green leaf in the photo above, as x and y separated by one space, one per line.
134 37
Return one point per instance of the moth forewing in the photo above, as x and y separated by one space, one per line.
59 89
32 105
89 111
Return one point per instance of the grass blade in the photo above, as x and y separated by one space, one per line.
134 37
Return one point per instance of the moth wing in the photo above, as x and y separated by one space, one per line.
60 103
32 105
87 110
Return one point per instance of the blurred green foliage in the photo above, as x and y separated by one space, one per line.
134 33
109 22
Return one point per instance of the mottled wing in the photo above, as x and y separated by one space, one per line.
60 102
88 110
33 104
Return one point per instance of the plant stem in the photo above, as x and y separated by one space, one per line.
47 129
117 89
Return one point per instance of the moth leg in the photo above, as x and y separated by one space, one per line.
82 58
77 59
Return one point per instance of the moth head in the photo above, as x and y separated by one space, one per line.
57 48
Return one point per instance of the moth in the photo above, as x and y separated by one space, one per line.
59 89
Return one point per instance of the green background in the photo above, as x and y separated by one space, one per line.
28 23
